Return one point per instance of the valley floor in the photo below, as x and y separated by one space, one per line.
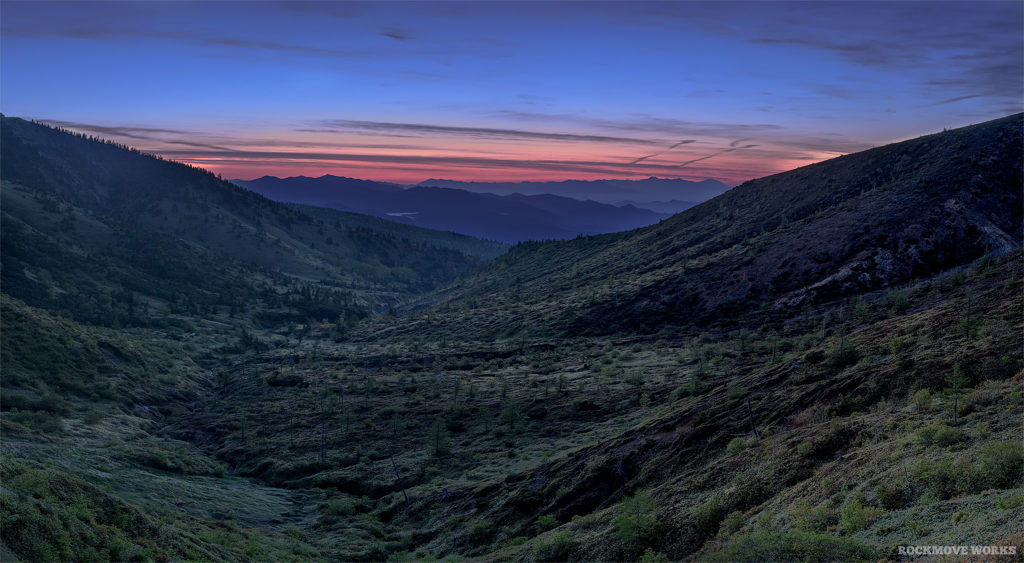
839 432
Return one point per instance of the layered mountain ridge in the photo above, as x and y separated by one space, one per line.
645 193
506 218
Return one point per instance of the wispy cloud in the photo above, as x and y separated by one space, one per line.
919 38
733 146
110 34
954 100
768 133
569 167
396 35
138 133
430 152
401 129
120 130
648 124
675 146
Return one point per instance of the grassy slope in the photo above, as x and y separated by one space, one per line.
536 438
567 428
83 407
53 365
830 437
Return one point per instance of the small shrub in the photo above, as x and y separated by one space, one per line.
518 540
768 545
339 507
708 516
969 479
946 436
41 421
862 311
854 516
557 548
1001 464
891 498
731 524
897 301
916 528
815 518
925 435
278 379
295 532
805 448
438 441
545 523
899 344
983 431
736 444
939 478
844 354
922 400
815 356
957 388
636 518
1007 503
479 532
650 556
939 434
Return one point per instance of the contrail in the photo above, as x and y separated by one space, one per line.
732 147
683 142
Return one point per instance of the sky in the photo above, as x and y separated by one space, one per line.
510 91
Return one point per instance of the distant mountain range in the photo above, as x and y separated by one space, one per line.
665 195
511 217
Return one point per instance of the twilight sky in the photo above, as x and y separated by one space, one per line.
510 91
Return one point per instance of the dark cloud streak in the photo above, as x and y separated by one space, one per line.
675 146
106 34
732 147
138 133
387 128
396 35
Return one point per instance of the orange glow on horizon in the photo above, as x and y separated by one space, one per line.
400 174
412 159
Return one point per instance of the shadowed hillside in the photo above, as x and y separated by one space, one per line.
819 233
111 235
820 365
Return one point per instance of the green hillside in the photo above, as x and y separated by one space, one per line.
827 231
114 237
820 365
463 243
